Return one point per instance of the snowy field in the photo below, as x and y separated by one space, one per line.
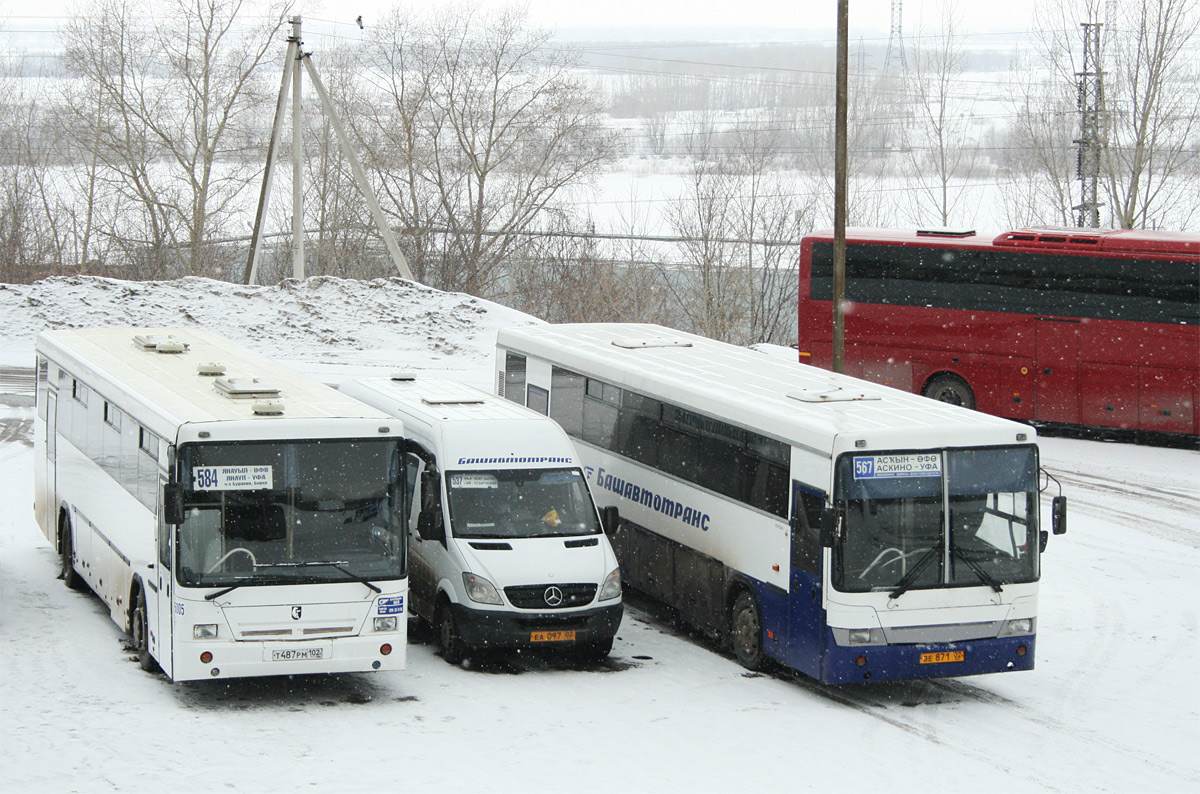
1113 705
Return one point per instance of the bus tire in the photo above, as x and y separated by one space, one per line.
745 631
449 640
950 389
139 631
66 553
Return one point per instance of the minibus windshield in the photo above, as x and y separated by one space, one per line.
520 503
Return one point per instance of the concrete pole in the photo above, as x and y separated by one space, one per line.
251 274
297 158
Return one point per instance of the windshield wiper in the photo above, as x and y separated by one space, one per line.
223 591
339 564
983 575
910 578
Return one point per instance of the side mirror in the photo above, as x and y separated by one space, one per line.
172 503
829 522
610 519
430 526
1058 511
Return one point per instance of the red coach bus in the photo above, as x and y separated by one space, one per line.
1076 326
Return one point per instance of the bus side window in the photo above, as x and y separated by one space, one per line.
806 528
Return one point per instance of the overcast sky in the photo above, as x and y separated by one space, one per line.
716 14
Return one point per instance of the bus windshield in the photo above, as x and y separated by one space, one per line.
291 512
963 517
520 503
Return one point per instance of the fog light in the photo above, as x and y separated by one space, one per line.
1022 650
861 661
204 631
385 649
216 671
206 657
385 624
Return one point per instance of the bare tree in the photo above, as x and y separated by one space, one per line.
1036 164
173 120
489 122
941 154
1150 166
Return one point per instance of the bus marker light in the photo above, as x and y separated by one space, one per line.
206 657
375 665
216 671
1022 650
385 649
861 661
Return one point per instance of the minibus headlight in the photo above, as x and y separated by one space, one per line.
385 624
480 590
1014 628
860 636
612 586
204 631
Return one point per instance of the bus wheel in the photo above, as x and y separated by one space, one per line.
139 630
950 389
453 649
745 630
66 551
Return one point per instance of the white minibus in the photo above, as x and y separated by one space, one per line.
507 548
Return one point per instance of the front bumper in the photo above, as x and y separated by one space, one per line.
495 629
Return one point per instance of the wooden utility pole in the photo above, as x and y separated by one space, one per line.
839 193
296 61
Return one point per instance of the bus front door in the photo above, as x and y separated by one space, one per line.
806 620
1056 371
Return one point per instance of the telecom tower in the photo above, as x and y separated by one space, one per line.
1091 119
893 61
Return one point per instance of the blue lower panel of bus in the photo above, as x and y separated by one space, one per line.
845 665
795 634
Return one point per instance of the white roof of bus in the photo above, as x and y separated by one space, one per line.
438 399
166 386
755 389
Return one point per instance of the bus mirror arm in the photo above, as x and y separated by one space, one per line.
173 503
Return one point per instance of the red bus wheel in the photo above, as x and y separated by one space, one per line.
950 389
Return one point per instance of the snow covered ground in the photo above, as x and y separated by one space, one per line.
1113 705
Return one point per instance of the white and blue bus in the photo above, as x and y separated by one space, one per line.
847 530
236 518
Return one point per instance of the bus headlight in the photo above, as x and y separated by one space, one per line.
204 631
1014 628
480 590
385 624
612 586
845 637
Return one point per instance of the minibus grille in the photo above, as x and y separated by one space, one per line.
550 596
